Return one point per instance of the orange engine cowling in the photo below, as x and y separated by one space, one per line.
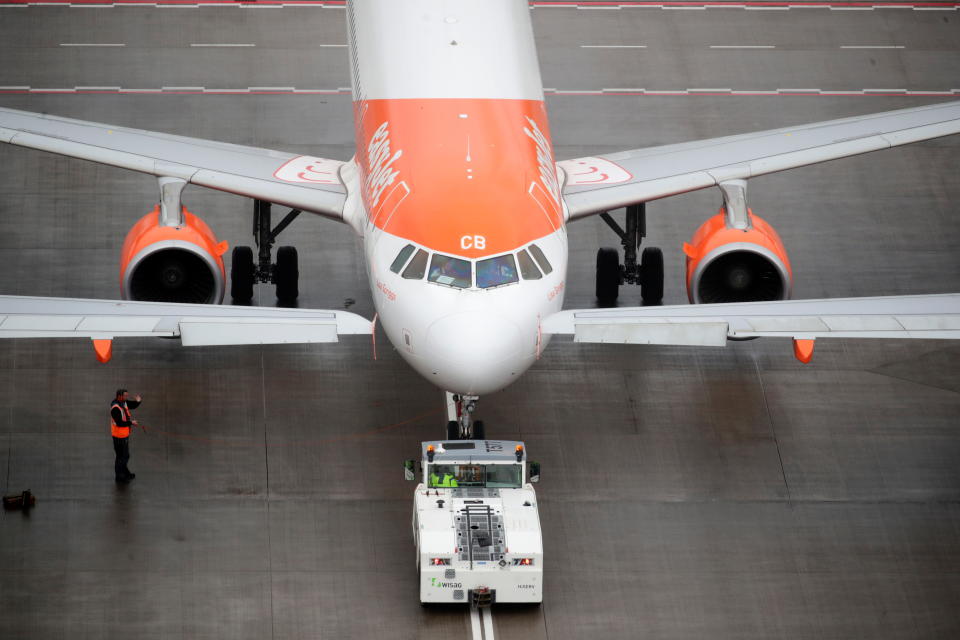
172 264
737 265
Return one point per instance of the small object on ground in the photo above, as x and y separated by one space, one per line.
23 501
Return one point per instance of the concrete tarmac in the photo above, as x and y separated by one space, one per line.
686 493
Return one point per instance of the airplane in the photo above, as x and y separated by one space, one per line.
462 210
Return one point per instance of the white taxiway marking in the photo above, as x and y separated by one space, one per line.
743 46
92 44
481 623
222 45
872 46
330 45
613 46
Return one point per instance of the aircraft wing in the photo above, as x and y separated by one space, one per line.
606 182
302 182
194 324
925 316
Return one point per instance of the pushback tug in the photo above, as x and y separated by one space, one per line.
476 523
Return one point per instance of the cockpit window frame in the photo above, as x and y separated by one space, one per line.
458 280
541 259
495 285
525 270
403 257
410 265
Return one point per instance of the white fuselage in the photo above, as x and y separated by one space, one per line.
454 157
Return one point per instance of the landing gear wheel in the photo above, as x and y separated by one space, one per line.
651 268
242 273
453 430
286 274
608 276
479 432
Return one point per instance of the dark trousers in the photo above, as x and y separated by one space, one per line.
121 446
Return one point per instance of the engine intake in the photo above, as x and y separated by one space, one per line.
172 264
737 265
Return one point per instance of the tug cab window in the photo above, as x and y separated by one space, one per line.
401 258
450 271
493 476
417 266
540 258
528 269
494 272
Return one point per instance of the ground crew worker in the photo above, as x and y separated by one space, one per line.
120 422
449 480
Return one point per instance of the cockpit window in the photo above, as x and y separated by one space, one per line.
540 258
494 272
417 266
401 258
528 269
450 271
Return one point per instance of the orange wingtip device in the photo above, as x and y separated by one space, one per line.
103 349
803 350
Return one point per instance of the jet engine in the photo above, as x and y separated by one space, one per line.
181 263
726 264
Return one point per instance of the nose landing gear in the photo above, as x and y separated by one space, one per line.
460 422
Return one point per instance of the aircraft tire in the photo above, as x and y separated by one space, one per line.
651 268
286 275
608 276
242 273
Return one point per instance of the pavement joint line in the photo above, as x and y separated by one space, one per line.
610 91
211 44
872 46
679 4
743 46
613 46
91 44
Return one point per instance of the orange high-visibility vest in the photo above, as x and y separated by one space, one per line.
117 431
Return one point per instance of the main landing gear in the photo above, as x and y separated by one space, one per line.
611 274
460 422
244 272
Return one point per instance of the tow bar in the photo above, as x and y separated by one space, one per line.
482 597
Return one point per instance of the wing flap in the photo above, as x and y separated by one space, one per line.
917 317
195 325
208 332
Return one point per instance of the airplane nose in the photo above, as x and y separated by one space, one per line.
474 353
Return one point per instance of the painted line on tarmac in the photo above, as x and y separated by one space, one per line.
610 91
481 623
756 5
